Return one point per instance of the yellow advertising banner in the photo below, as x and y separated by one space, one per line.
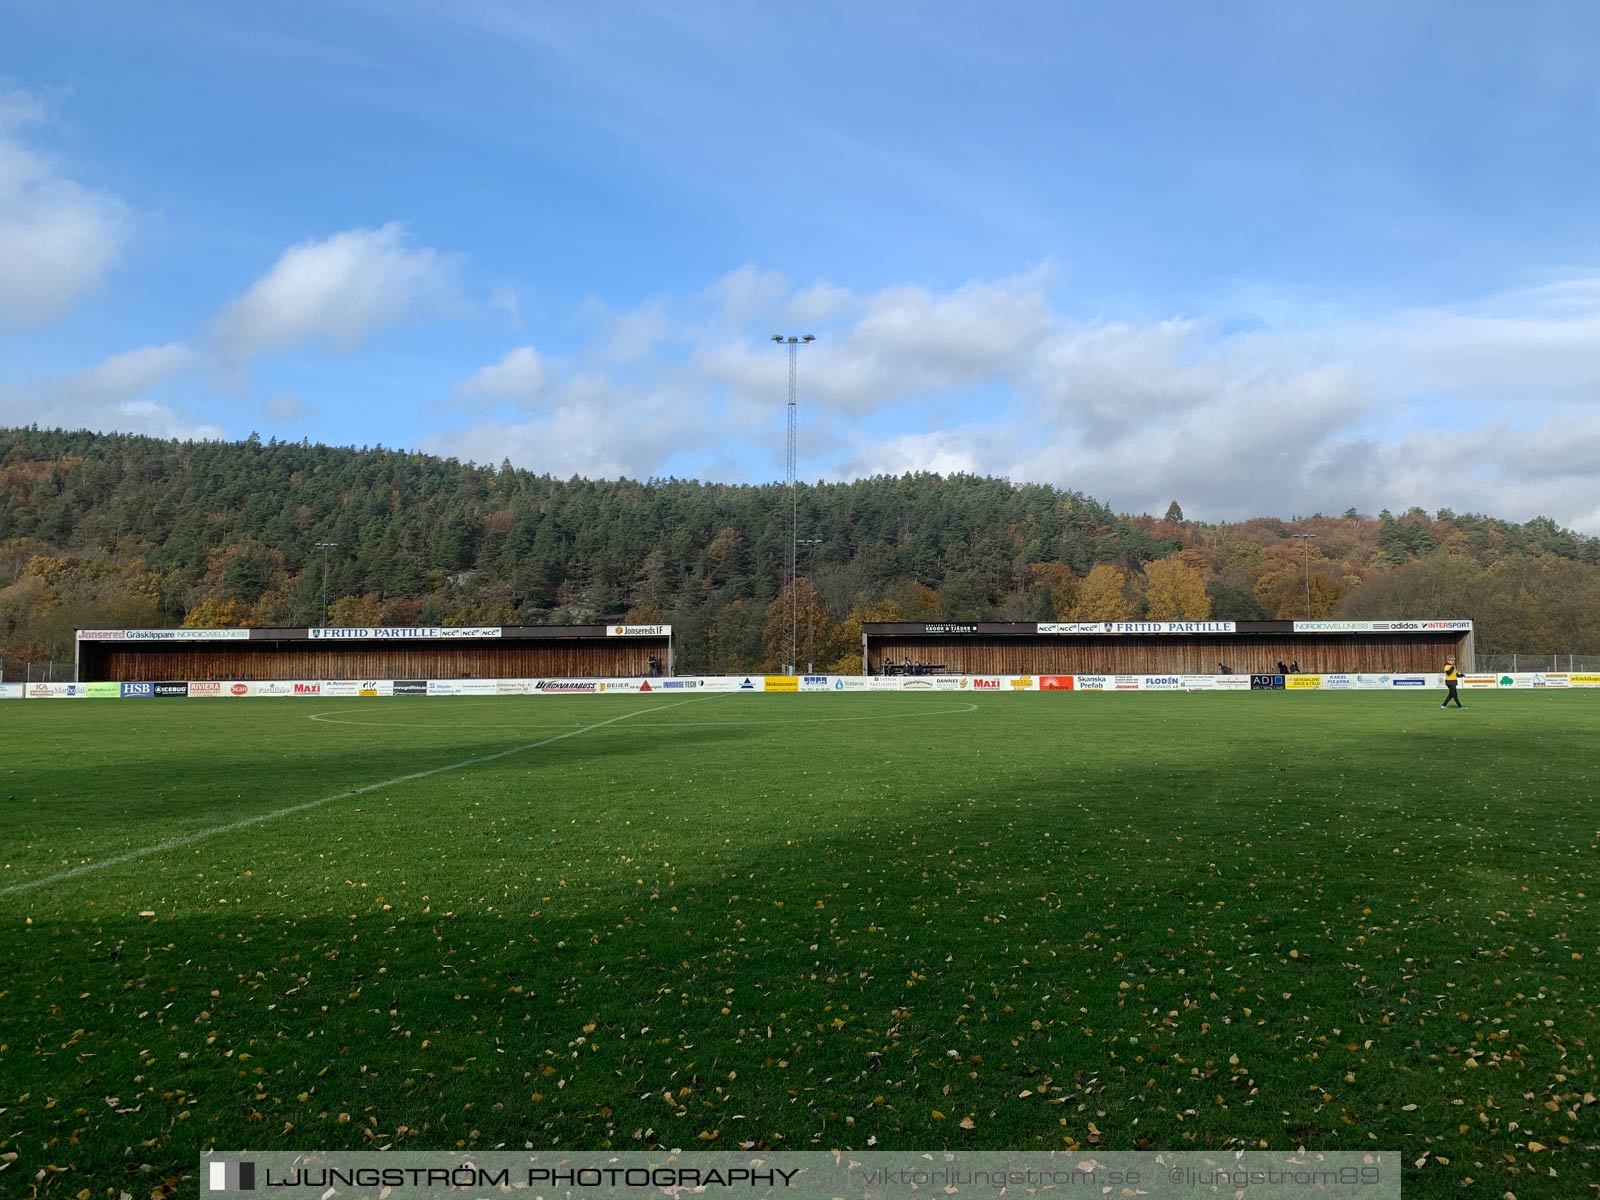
1575 680
1302 681
782 683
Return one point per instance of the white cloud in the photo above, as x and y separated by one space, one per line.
132 372
1466 406
284 408
58 238
748 293
504 300
518 377
591 428
339 290
113 395
820 304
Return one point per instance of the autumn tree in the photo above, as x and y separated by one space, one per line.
848 638
1103 596
1174 591
356 611
1282 591
805 618
218 614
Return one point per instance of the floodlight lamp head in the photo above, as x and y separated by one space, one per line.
810 337
777 337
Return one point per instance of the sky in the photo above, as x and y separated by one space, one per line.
1258 258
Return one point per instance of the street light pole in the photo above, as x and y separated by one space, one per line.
793 343
1306 538
325 547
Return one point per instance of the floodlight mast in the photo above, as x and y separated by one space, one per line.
1306 538
793 343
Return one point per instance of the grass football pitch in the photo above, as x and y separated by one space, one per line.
1341 921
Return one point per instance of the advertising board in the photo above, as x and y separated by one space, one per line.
163 635
1302 683
205 687
1113 628
368 633
137 691
103 691
10 691
1159 683
170 689
1055 683
55 691
1417 626
781 683
1266 683
638 630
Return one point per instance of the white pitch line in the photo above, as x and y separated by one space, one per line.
191 838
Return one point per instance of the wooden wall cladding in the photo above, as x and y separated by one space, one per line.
1365 653
602 658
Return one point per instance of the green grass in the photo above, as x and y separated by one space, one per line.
1339 920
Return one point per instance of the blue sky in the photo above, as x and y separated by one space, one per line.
1261 258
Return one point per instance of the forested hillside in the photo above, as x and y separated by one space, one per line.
111 530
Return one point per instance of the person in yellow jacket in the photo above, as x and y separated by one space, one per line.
1451 678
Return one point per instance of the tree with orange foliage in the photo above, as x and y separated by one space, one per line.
1282 591
1174 591
1103 596
218 614
815 635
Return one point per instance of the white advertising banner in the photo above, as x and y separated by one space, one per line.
163 635
282 687
463 687
56 691
10 691
1418 626
1103 628
638 630
365 633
